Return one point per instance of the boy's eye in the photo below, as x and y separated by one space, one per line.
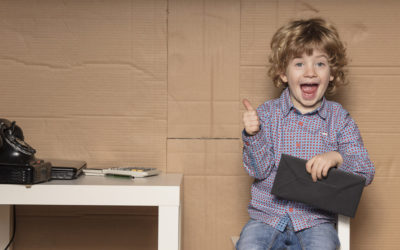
299 64
320 64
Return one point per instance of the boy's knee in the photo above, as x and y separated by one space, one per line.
256 235
322 236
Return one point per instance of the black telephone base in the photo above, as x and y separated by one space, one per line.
35 172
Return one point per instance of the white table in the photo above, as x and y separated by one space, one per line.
163 191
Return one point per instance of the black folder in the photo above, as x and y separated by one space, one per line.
340 192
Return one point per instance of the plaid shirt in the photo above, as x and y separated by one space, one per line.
285 130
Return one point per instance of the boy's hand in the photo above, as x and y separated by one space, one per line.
250 119
319 165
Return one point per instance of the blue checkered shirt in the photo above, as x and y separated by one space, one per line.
285 130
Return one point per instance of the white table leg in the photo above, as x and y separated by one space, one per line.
343 228
5 225
169 227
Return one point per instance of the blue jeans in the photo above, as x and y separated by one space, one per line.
260 236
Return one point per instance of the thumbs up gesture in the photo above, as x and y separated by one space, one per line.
250 119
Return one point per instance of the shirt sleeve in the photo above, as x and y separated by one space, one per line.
351 147
258 153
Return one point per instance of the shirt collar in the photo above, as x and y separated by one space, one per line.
287 105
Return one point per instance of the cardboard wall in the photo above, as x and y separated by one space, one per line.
159 83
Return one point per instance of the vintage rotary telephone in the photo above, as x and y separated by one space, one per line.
13 148
18 163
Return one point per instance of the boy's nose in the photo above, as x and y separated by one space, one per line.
310 72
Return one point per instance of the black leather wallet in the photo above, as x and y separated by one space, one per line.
340 192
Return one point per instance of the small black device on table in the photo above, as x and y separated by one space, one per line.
66 169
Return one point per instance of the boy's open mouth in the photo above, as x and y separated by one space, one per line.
309 90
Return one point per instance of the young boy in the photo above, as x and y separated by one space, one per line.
308 59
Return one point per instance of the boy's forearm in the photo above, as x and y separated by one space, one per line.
359 164
258 167
355 156
258 155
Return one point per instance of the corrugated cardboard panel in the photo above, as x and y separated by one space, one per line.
203 68
215 208
372 102
362 35
383 150
259 20
65 34
205 157
376 223
91 228
256 86
102 90
198 119
87 80
91 59
101 141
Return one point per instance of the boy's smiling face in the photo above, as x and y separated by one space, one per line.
308 77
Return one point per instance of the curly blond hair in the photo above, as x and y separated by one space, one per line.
303 36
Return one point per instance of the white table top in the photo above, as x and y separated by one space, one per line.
160 190
157 180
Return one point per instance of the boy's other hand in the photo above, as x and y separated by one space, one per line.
319 165
250 119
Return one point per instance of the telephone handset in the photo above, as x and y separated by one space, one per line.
18 164
13 148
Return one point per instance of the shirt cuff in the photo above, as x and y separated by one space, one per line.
250 140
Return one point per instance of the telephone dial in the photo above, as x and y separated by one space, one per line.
18 164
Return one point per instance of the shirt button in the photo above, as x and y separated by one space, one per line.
291 209
298 145
247 144
301 123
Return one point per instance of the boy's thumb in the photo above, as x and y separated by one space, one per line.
247 105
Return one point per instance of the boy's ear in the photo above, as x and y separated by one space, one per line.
331 78
283 77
